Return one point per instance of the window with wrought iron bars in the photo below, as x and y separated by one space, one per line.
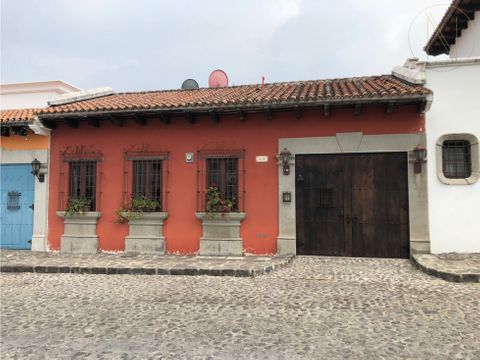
147 179
456 159
83 180
222 174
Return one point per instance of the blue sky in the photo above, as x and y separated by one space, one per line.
148 45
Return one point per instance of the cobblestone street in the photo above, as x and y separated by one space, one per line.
316 308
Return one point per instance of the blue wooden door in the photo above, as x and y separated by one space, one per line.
16 211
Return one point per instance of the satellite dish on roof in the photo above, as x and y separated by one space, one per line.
218 78
189 84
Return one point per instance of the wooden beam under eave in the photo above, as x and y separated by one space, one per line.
116 121
326 110
49 124
5 131
95 122
389 106
140 119
215 117
190 118
268 113
164 118
73 123
421 106
242 115
357 109
297 112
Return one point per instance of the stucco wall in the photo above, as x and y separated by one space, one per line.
32 94
468 45
257 135
454 209
30 142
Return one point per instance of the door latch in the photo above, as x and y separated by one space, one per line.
32 206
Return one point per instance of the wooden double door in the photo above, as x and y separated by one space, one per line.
352 205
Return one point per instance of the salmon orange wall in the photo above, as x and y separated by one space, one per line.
257 135
30 142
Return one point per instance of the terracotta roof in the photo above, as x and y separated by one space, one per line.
12 116
365 89
455 19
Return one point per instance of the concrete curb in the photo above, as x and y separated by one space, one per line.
109 270
445 275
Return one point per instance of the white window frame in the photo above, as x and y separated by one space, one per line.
474 158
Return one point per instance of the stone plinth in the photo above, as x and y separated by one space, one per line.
80 233
221 234
145 232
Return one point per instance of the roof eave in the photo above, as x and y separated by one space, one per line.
244 107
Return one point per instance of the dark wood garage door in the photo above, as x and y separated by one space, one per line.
352 205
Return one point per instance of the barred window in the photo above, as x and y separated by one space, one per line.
456 159
147 179
222 174
83 180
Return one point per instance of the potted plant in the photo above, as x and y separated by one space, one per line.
78 205
136 207
220 225
215 203
145 225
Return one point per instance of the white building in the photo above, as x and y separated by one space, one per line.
23 201
453 128
32 94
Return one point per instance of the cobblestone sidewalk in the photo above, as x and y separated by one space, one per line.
42 262
451 267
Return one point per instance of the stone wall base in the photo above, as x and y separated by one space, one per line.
420 247
38 243
145 245
286 246
78 244
221 247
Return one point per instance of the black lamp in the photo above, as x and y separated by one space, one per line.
420 154
284 156
36 165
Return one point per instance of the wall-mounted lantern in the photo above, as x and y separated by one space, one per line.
284 157
420 154
36 165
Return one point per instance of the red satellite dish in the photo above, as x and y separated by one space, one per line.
218 78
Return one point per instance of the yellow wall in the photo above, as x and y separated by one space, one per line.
29 142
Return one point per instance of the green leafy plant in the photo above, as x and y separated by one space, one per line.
215 203
78 205
144 204
136 207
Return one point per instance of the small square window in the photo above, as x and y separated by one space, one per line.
456 159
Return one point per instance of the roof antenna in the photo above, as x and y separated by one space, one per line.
263 82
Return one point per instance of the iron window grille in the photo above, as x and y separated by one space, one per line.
147 179
83 180
456 159
80 175
225 171
13 200
146 174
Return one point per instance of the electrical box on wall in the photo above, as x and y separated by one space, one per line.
189 157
